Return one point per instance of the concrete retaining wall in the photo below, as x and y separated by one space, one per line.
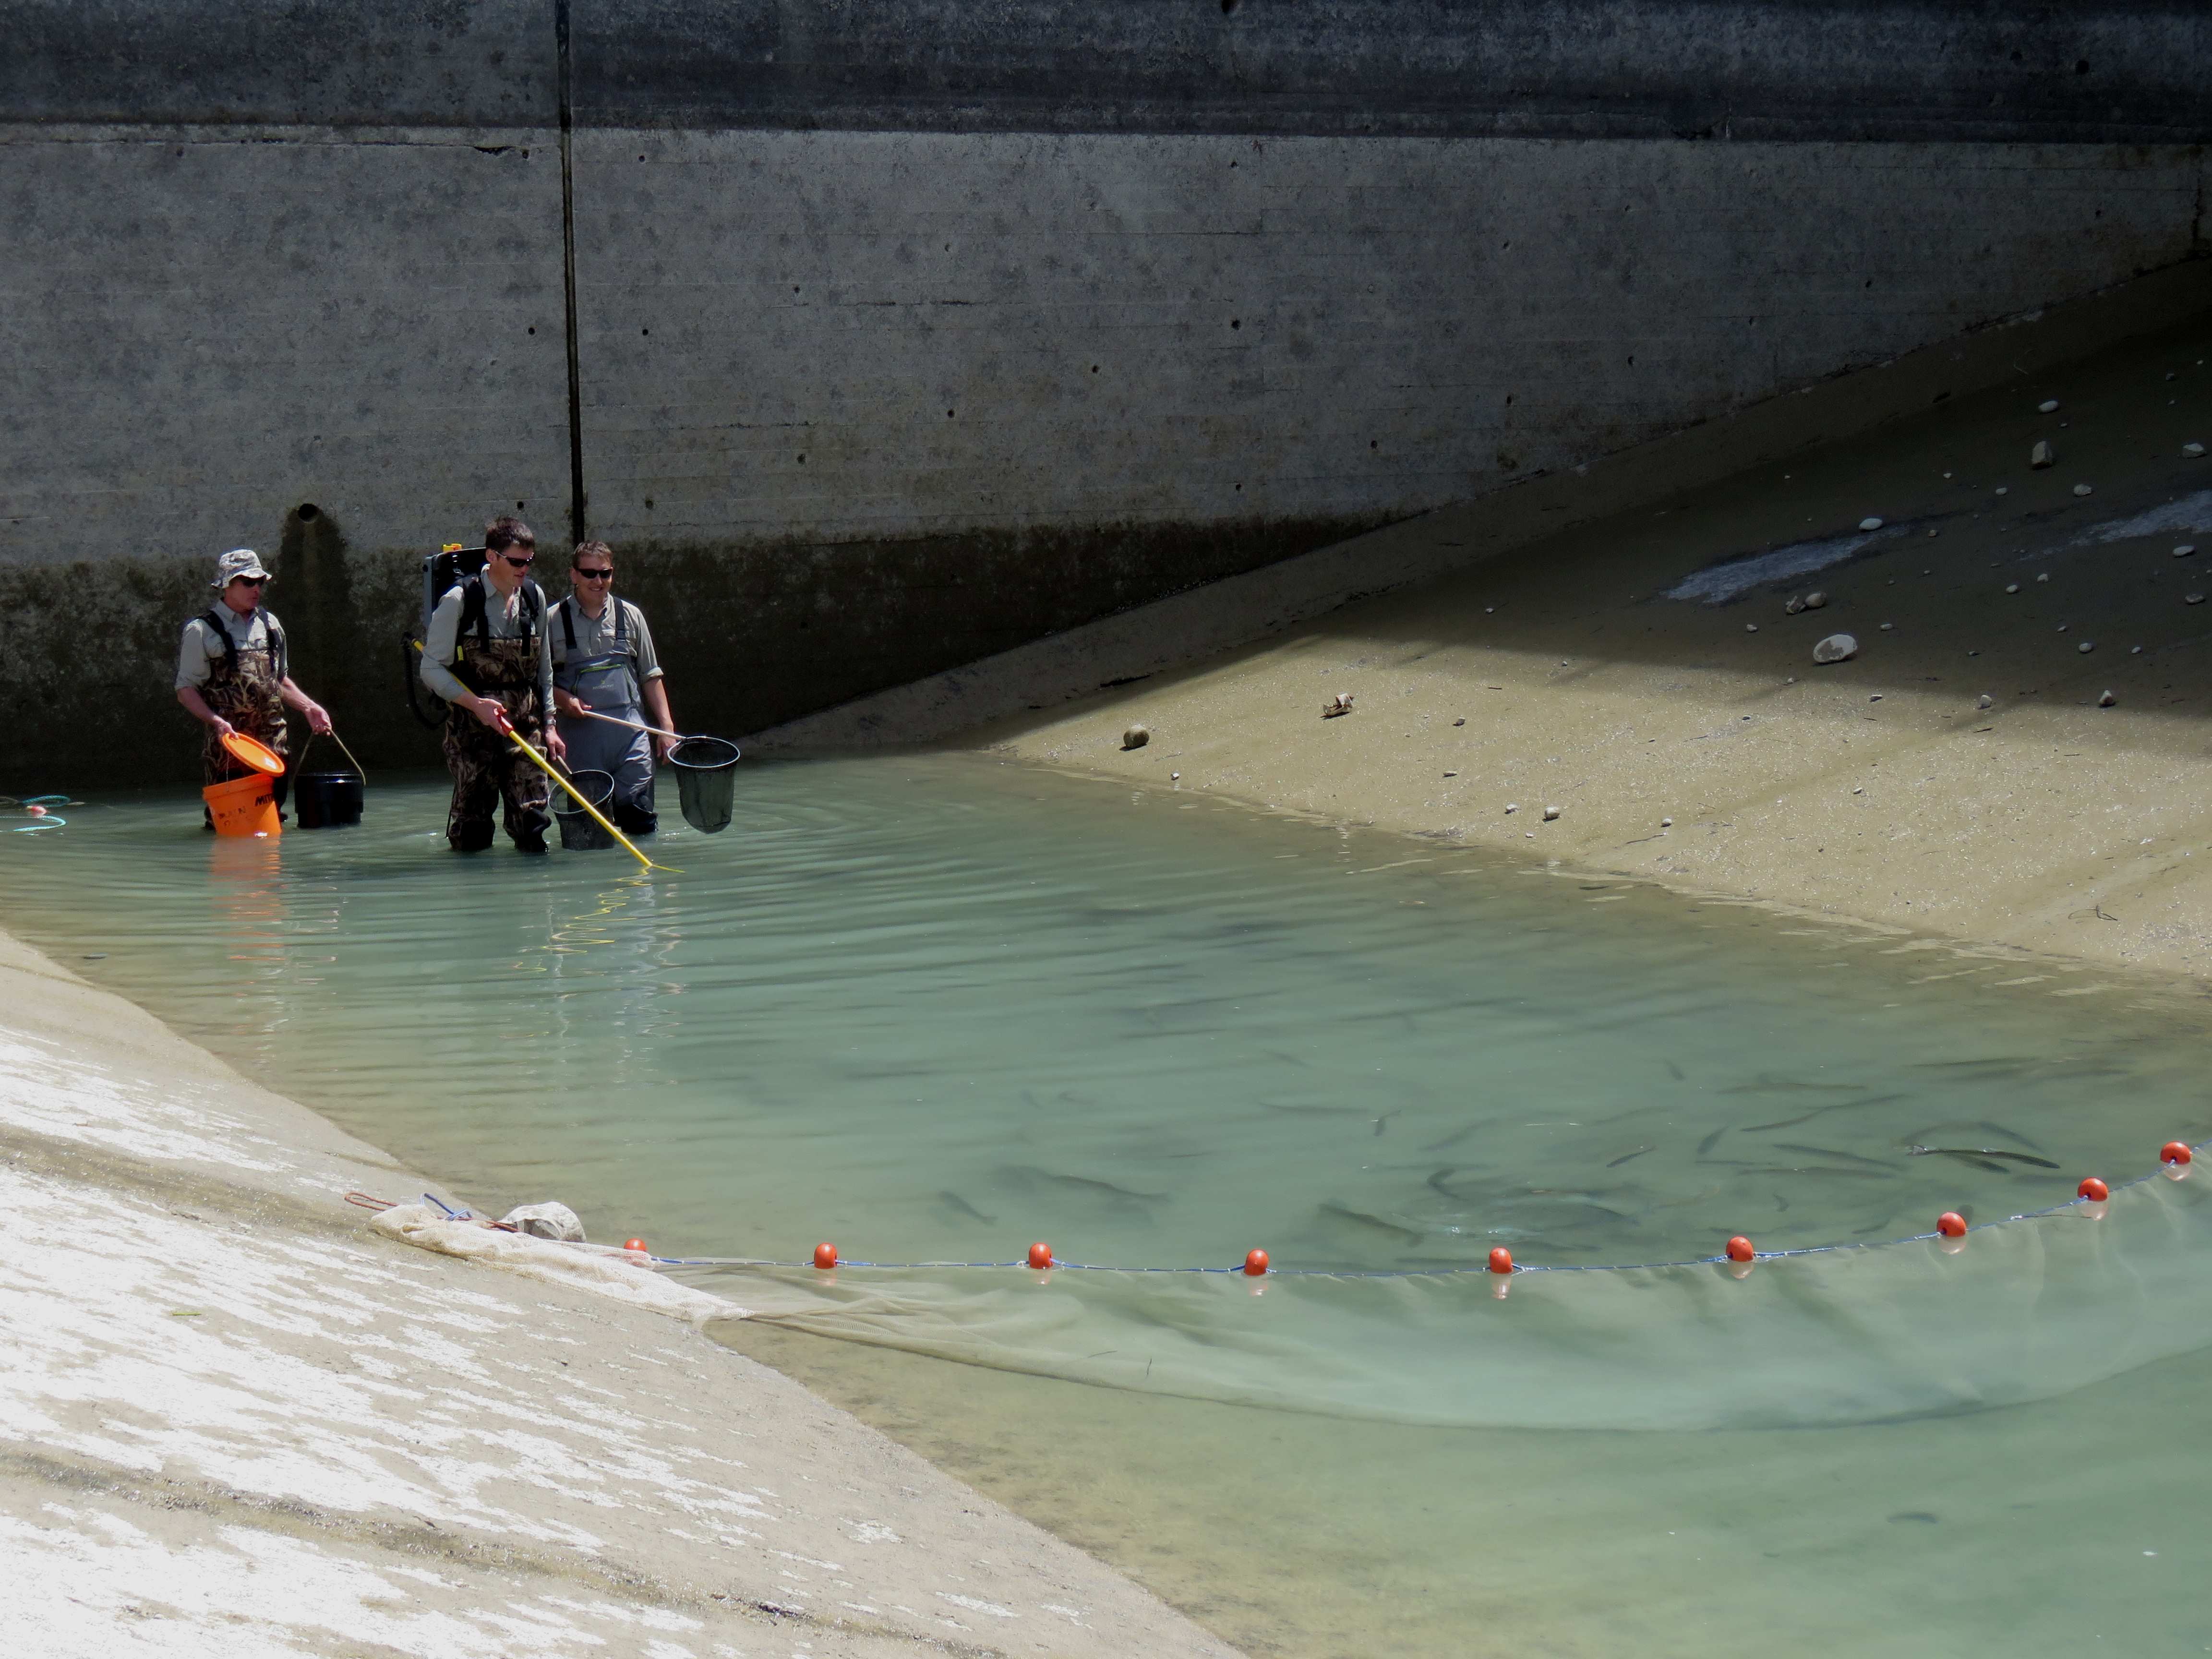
1044 320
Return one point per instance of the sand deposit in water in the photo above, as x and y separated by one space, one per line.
933 1009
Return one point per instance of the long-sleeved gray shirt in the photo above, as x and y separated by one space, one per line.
596 634
201 649
504 619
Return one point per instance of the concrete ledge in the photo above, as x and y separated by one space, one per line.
1190 627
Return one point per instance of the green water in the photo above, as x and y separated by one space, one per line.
935 1008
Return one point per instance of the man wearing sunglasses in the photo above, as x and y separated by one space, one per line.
235 672
487 657
604 665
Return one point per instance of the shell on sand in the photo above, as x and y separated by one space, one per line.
1837 647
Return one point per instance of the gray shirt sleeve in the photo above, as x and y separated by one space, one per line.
648 665
438 649
194 654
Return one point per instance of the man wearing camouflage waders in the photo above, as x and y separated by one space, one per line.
235 674
487 656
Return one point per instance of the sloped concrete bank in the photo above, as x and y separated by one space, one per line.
234 1419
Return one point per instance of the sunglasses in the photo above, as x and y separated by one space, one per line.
253 581
522 563
582 575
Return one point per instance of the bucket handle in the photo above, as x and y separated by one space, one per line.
336 739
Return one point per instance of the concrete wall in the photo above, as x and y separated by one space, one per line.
1051 311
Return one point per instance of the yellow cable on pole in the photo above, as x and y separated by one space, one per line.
546 767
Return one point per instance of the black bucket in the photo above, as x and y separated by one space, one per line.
327 800
706 778
579 831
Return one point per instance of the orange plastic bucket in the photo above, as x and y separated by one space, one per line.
244 806
252 751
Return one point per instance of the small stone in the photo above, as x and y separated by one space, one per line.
2086 647
1490 610
1985 701
1858 791
2061 627
2048 406
2192 599
1135 738
2081 490
2002 490
1815 599
1528 835
1452 774
2043 575
1875 698
1550 812
1750 628
1793 605
1837 647
1512 806
1666 824
2184 550
1886 627
2012 587
2193 451
1932 534
2040 456
1459 722
2134 651
1340 704
1869 524
2106 700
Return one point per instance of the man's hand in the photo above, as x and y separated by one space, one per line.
319 718
663 744
490 711
556 746
220 727
568 702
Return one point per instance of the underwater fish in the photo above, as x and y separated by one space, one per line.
1833 1106
1711 1141
1406 1235
1977 1154
1624 1157
1314 1111
1438 1177
1830 1151
1923 1136
1383 1121
1674 1071
1030 1172
953 1200
1773 1083
1823 1169
1451 1141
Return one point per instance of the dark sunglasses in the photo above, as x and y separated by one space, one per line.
522 563
253 581
583 574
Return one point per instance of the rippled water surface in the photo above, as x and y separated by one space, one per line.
935 1008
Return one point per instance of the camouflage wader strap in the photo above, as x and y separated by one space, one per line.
242 687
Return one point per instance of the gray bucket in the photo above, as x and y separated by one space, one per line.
706 778
579 831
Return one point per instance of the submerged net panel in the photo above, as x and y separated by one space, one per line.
2030 1307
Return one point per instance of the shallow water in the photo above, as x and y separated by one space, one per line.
935 1008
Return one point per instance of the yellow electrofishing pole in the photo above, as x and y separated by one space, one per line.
546 767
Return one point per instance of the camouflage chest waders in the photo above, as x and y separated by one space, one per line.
242 688
485 765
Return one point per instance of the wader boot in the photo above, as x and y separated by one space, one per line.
485 765
242 688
